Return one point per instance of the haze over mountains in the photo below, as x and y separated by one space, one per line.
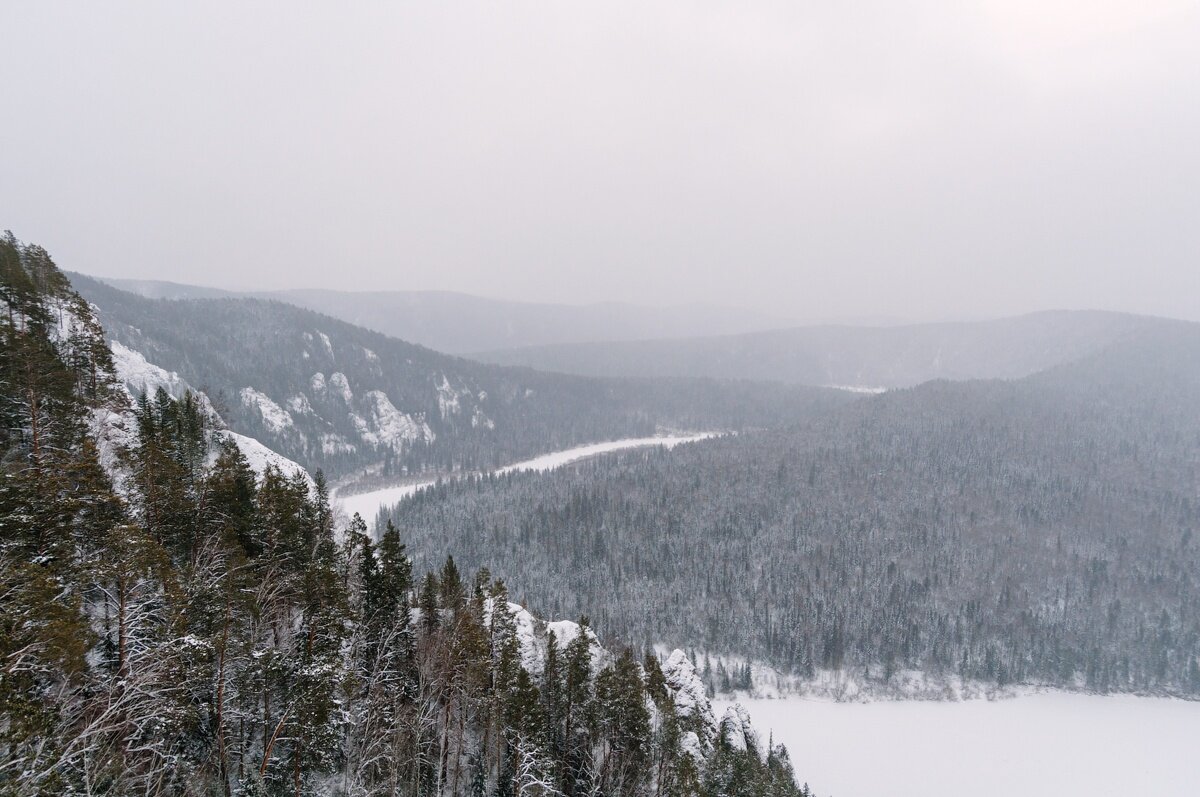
615 340
865 357
459 323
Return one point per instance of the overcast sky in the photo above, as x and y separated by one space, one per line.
901 159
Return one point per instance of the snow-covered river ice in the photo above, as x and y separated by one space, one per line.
1050 744
368 504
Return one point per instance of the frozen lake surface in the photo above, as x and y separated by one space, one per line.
1040 745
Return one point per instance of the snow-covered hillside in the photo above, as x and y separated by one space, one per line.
702 728
137 375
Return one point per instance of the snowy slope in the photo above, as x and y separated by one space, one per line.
139 376
700 724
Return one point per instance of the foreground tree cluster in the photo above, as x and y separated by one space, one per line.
198 629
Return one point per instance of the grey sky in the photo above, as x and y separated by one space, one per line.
913 159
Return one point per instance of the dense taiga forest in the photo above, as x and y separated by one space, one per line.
1040 530
196 630
353 402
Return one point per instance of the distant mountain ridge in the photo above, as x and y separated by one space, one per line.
860 357
459 323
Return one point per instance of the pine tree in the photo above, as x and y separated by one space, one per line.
624 722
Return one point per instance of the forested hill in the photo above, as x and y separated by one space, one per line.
204 631
865 357
349 401
1041 530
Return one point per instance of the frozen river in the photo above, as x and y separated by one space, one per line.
1041 745
368 504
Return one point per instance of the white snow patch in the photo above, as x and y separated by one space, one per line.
447 399
689 744
369 504
114 430
737 730
299 404
533 638
341 385
332 443
140 376
687 690
274 417
387 425
260 457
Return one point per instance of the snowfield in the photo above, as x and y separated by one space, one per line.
368 504
1050 744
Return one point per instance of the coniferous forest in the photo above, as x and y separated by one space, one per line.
1032 531
645 399
173 624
